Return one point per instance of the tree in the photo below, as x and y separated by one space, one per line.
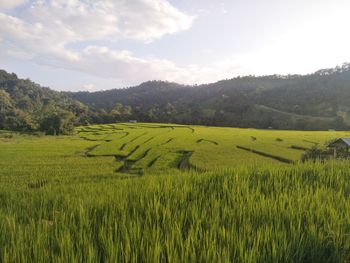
25 106
57 123
120 112
5 101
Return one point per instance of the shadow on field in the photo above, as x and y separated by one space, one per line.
277 158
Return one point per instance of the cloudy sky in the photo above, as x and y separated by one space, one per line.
103 44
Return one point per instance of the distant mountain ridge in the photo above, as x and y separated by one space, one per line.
339 69
318 101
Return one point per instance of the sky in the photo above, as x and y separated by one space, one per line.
91 45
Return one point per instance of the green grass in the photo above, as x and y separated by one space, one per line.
211 147
62 199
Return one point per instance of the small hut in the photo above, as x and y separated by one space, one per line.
341 144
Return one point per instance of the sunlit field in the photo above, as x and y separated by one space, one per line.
143 147
172 193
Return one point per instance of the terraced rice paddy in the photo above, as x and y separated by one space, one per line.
141 147
172 193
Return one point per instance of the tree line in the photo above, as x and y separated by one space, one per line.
318 101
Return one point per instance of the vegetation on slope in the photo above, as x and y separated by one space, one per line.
318 101
25 106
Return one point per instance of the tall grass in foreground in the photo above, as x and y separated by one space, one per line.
295 214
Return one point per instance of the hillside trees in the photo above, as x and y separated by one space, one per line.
120 112
58 123
5 101
318 101
26 106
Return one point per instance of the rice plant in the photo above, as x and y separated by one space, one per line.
62 199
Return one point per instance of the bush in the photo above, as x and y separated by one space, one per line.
316 154
58 123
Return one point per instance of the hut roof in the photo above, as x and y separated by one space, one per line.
345 142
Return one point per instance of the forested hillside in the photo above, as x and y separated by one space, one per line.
316 101
25 106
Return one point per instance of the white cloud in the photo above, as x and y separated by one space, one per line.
89 87
10 4
223 9
82 20
103 62
46 44
45 30
68 34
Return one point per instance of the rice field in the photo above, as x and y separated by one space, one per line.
171 193
145 147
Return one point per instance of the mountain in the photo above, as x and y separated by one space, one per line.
26 106
317 101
